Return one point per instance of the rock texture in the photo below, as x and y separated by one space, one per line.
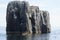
22 18
16 17
35 18
45 22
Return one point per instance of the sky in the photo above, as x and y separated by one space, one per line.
52 6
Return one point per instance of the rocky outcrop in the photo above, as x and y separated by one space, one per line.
22 18
45 22
16 17
35 18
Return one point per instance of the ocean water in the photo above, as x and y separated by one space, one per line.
54 35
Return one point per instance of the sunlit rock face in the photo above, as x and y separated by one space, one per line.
25 19
35 18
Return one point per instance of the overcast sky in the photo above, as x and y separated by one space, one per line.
52 6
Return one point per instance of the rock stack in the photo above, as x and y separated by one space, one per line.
24 19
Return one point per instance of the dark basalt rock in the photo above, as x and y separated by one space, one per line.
22 18
12 17
16 17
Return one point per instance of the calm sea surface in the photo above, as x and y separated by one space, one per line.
54 35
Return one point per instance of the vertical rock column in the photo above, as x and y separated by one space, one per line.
45 23
23 17
29 25
16 17
34 10
47 20
13 17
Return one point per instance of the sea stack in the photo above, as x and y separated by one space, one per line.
24 19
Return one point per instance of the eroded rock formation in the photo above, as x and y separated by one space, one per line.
22 18
35 18
16 16
45 22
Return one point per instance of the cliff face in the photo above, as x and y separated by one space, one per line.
45 23
16 17
22 18
35 18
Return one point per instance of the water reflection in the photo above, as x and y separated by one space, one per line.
28 37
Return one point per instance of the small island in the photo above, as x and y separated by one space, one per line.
25 19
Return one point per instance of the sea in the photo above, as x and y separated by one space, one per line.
54 35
